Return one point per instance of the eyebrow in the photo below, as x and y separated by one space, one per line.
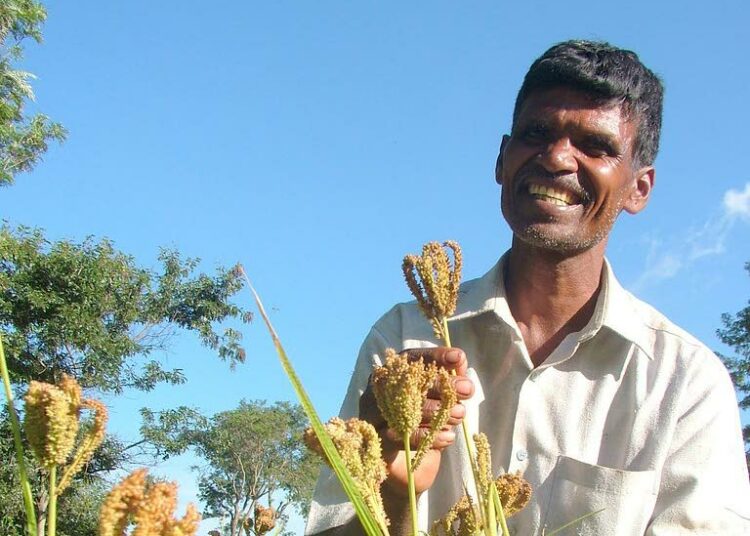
602 137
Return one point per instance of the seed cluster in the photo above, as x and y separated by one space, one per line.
448 398
464 515
89 443
359 446
264 520
149 507
400 387
514 493
434 281
51 420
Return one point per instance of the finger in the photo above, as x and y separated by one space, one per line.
448 358
462 385
430 407
443 438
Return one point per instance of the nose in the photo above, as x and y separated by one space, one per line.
559 157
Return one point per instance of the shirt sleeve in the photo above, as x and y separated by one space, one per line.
704 485
330 506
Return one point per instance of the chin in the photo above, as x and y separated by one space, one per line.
539 237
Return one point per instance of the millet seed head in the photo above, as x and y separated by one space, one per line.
360 449
88 444
443 383
514 491
484 463
400 387
264 519
461 520
150 507
51 420
433 278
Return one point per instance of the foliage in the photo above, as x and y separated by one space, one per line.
23 138
736 333
87 310
79 505
254 456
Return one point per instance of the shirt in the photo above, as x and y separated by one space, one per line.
631 414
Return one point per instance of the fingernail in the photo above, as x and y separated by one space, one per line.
453 357
446 437
463 387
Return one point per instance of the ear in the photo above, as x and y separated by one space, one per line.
643 183
499 163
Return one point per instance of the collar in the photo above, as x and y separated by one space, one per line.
615 307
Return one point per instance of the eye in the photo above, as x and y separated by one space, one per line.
534 134
597 147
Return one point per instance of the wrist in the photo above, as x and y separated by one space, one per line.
396 505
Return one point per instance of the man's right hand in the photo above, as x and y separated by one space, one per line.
395 488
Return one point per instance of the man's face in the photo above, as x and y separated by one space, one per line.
567 171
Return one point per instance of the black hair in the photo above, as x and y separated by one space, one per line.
608 74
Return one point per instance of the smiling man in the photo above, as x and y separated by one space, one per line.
601 402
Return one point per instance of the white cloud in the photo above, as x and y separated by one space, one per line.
737 203
664 262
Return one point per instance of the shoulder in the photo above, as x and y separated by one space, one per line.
672 348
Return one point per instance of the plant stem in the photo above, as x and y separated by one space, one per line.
465 430
412 491
52 508
28 499
500 511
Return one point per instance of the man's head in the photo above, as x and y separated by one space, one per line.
609 75
585 133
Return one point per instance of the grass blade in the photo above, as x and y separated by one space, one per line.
499 508
370 523
28 499
574 522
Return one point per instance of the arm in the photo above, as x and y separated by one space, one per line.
704 483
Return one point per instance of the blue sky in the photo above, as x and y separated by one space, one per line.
318 142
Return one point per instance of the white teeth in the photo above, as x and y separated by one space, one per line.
556 197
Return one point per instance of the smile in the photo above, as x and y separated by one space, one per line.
551 195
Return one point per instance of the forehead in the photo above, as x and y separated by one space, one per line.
573 109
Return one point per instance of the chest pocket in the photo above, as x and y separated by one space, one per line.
626 497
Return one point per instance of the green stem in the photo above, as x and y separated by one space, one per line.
52 508
467 439
500 511
28 499
412 491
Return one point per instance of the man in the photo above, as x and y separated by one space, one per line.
599 400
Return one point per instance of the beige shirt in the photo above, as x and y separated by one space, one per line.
631 414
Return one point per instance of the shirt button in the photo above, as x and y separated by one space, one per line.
522 455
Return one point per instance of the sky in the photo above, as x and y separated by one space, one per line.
319 142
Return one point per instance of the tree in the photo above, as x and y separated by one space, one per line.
736 333
86 309
23 139
254 459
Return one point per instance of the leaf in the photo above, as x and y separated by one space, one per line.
573 523
368 520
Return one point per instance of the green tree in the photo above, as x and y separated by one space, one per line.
736 333
254 457
87 310
23 138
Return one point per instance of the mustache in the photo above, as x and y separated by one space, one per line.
567 182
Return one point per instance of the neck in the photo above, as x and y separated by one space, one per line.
551 294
